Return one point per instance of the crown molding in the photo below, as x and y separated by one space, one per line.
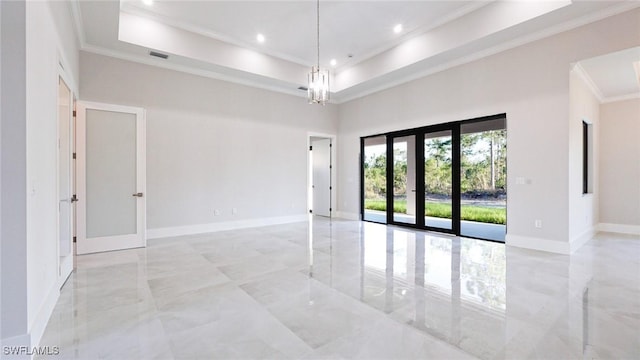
414 33
621 98
78 24
337 98
588 81
210 34
190 70
516 42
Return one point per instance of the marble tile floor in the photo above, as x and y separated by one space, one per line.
346 289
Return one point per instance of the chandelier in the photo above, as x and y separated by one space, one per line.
318 89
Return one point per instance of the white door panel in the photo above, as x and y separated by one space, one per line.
321 152
65 206
111 171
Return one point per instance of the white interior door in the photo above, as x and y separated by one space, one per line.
321 183
111 177
65 184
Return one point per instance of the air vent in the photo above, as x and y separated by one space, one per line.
303 88
160 55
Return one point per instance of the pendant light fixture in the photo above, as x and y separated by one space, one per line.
318 89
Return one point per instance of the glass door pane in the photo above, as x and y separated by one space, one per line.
483 179
438 180
375 179
111 173
404 179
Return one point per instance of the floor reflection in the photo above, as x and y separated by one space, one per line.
430 281
347 289
456 289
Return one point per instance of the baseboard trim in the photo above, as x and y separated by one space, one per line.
222 226
619 228
347 215
578 241
42 318
525 242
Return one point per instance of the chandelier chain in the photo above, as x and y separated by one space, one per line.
318 29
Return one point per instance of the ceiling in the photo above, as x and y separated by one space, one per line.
614 76
218 38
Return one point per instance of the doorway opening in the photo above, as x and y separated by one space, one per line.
321 176
448 177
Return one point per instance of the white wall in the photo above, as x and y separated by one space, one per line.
531 85
29 164
620 165
13 157
583 208
212 144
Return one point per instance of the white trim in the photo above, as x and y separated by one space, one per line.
86 245
42 318
196 29
582 74
78 24
557 247
516 42
348 215
199 30
147 60
619 228
421 30
223 226
621 98
334 167
66 266
577 242
336 98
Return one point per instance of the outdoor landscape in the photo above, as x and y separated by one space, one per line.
482 184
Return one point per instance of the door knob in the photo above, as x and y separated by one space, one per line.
137 194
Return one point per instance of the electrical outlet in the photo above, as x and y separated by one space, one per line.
216 212
234 211
538 224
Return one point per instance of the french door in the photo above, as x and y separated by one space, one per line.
111 177
448 177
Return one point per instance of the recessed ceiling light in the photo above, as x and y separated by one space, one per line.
260 38
333 62
397 29
147 2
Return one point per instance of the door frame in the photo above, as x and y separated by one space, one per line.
420 211
332 176
87 246
420 133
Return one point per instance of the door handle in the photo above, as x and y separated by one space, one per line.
138 194
74 198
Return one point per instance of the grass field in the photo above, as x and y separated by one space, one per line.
483 214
